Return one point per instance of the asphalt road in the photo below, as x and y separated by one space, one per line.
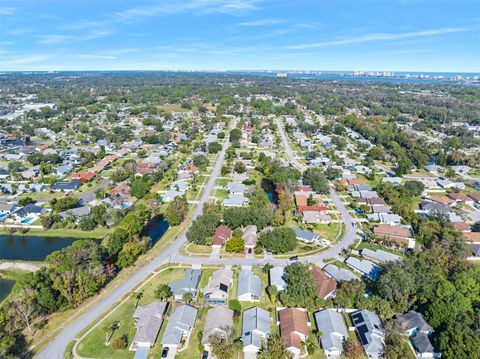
56 348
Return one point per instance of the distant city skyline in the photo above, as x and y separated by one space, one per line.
196 35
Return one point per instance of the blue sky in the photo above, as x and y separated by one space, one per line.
408 35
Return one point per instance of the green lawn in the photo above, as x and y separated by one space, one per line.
93 345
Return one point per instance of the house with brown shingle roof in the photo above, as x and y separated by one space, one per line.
472 237
400 236
293 329
442 199
326 286
475 197
222 234
462 226
460 197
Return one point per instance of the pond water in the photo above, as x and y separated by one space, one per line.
34 248
6 286
269 189
156 228
30 248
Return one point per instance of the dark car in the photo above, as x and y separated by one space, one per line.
294 258
165 352
205 355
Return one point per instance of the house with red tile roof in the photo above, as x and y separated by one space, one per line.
121 190
84 177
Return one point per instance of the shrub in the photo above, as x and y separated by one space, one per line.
120 343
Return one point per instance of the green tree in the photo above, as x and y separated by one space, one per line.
316 178
235 245
163 292
176 211
214 147
278 240
129 254
300 287
139 187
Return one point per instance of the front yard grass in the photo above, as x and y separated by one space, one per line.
93 345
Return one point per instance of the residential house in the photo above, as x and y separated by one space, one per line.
293 329
249 286
188 283
417 328
221 235
442 200
77 213
66 186
170 196
400 236
369 329
276 277
379 255
326 286
447 184
236 188
333 332
121 190
385 218
307 236
460 198
340 274
148 321
235 200
255 329
179 326
84 177
219 321
366 268
249 237
30 211
216 292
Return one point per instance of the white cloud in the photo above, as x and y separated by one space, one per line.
177 7
263 22
379 37
7 10
23 60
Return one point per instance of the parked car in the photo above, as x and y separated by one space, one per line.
165 352
205 355
294 258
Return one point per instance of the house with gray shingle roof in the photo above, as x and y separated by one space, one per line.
148 321
216 292
367 268
369 328
180 324
332 327
188 284
340 274
276 277
249 287
219 321
255 329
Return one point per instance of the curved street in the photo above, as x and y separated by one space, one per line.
57 346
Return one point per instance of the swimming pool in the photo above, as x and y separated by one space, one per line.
27 220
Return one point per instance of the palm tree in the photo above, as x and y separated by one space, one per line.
137 296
